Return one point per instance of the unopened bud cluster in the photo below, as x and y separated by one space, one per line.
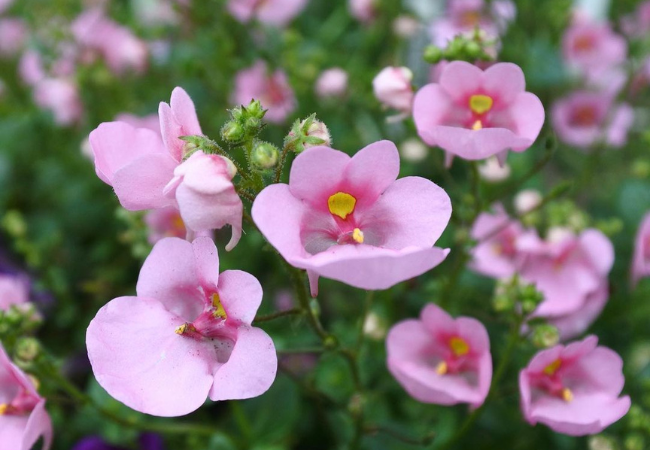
18 320
461 48
245 123
512 293
264 155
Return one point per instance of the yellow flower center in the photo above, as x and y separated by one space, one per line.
341 204
185 328
552 368
480 104
219 309
459 346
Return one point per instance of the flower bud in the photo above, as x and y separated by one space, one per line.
527 200
265 155
232 132
413 150
545 335
308 133
255 109
601 442
332 83
392 87
27 349
492 172
433 54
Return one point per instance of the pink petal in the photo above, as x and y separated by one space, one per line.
461 79
430 108
251 368
12 432
170 275
369 267
38 424
412 211
139 359
316 174
206 259
140 184
241 295
527 112
275 211
599 250
117 144
504 82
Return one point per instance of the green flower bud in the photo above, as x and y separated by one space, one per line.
232 132
473 50
545 335
433 54
28 349
265 155
255 109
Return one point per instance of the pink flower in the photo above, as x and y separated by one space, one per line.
392 87
349 219
13 35
14 290
476 114
61 97
135 162
30 67
150 121
441 360
641 257
165 222
362 10
121 49
577 322
178 118
5 4
185 337
332 83
273 91
591 46
566 268
496 254
23 419
205 194
278 13
585 118
574 389
637 24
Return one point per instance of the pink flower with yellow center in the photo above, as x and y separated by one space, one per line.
350 219
575 389
23 419
186 336
476 114
441 360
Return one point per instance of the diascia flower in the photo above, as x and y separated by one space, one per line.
23 419
476 114
186 336
441 360
148 172
589 46
575 389
278 13
349 219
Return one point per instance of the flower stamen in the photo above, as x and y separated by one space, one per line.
341 204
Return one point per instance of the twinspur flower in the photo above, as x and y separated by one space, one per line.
575 389
186 336
641 256
350 219
476 114
23 418
277 13
149 172
441 360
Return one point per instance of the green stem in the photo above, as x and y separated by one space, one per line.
278 314
283 159
300 288
423 441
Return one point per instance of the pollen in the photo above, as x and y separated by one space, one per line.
567 395
357 235
341 204
442 368
552 368
459 346
3 409
185 328
478 125
480 104
219 310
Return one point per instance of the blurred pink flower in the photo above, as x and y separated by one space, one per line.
363 10
202 186
5 4
13 35
121 49
638 23
577 322
23 419
30 67
592 46
278 13
463 17
61 97
476 114
392 87
164 222
441 360
272 90
496 254
14 290
641 258
586 118
349 219
332 83
185 337
574 389
567 268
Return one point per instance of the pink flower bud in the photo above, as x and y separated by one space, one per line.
332 83
392 87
